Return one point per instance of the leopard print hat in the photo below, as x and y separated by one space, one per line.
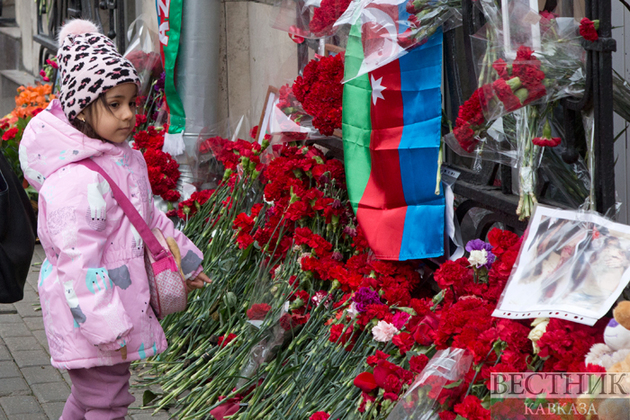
89 65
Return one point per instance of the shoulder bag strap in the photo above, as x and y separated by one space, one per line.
134 217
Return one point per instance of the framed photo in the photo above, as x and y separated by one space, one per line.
331 49
263 124
572 265
520 25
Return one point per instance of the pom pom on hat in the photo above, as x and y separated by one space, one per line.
76 27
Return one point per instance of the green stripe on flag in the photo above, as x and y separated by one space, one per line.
177 118
356 123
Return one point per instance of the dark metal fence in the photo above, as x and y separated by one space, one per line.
479 189
109 15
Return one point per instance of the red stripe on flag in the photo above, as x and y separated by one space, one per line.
382 209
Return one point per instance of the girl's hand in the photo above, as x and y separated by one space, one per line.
197 283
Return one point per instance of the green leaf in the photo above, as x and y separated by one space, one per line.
148 396
453 385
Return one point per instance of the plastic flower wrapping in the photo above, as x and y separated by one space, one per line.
390 28
308 19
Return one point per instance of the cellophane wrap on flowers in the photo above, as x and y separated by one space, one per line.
392 27
309 19
421 400
523 70
143 52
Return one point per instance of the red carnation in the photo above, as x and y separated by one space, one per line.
258 311
10 134
588 29
365 382
404 342
471 409
505 93
501 68
465 137
418 363
451 272
320 415
225 340
544 142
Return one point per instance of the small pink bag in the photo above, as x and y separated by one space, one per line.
166 281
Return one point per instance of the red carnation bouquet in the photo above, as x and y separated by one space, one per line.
163 169
319 90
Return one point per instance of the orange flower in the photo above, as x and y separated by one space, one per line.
30 98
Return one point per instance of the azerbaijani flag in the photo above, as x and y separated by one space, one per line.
391 134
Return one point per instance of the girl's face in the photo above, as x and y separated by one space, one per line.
114 121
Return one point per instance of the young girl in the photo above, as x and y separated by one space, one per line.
93 285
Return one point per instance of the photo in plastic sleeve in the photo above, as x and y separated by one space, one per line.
572 265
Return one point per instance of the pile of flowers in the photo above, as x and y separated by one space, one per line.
163 169
299 307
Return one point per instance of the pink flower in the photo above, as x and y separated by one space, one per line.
320 415
384 331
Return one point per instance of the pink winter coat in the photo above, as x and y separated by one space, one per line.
93 285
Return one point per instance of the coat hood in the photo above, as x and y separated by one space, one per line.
50 142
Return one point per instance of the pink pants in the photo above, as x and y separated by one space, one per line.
98 393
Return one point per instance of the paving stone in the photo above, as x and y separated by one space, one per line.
65 376
27 309
147 415
37 357
14 386
30 296
4 353
41 375
34 323
51 392
2 415
6 318
20 405
9 369
6 308
16 344
14 330
30 416
40 335
53 409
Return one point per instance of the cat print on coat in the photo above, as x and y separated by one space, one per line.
62 223
97 207
30 173
44 272
120 276
142 187
146 332
101 286
73 303
190 262
97 279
